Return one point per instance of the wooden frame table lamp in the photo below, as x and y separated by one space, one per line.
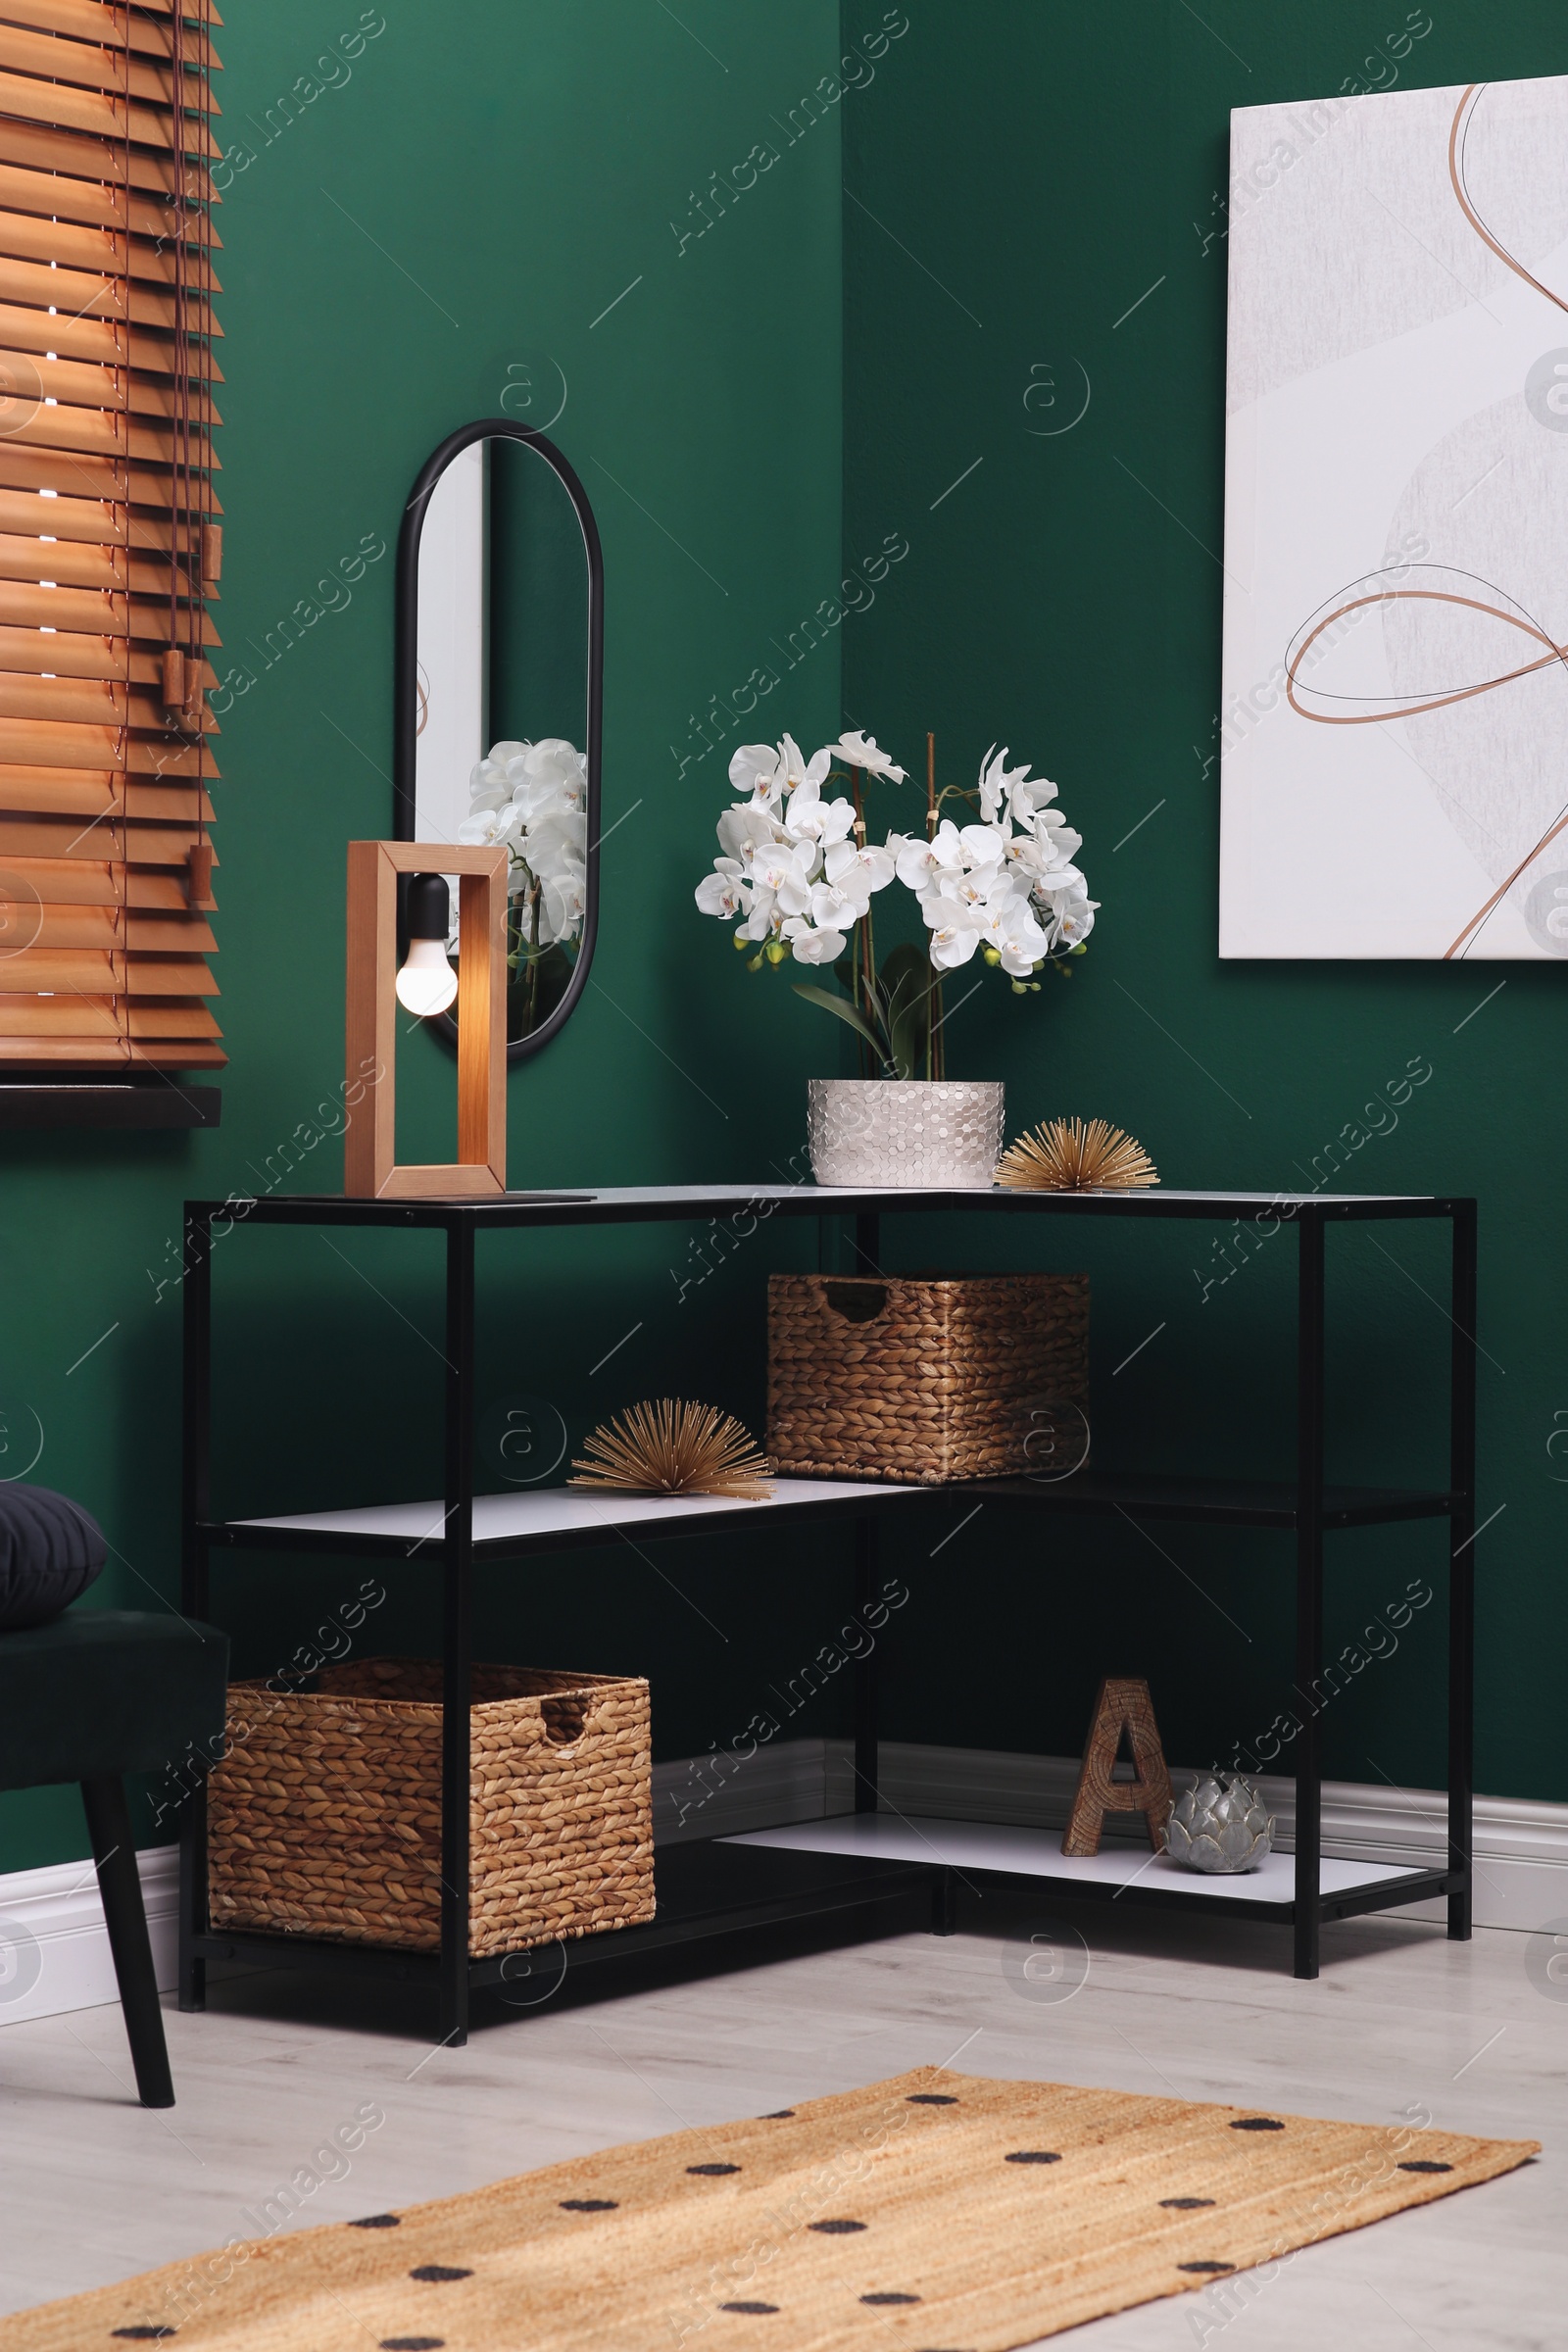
425 984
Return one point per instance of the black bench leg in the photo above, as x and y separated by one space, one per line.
115 1858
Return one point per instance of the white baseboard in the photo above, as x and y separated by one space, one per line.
54 1948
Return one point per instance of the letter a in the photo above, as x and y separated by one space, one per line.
1122 1706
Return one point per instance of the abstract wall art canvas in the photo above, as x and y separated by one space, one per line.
1393 727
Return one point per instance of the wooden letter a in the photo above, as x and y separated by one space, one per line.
1123 1705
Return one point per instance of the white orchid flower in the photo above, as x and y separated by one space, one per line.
1075 922
813 947
755 772
1012 931
1060 882
787 872
562 904
924 865
984 846
1026 799
560 838
809 818
997 781
795 771
748 829
877 866
861 751
724 892
833 910
954 929
491 828
763 919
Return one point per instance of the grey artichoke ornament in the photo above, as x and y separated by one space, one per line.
1219 1826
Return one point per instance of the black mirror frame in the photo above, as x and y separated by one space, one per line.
406 674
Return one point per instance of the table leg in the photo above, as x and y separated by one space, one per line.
457 1635
1462 1569
196 1413
1308 1587
866 1548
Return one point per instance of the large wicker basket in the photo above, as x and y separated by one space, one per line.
325 1812
921 1380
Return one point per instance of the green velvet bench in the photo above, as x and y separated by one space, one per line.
90 1696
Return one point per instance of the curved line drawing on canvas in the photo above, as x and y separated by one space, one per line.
1297 653
1465 113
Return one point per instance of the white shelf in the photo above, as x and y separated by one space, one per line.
1037 1853
566 1512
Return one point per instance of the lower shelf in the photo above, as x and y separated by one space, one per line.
1004 1851
709 1888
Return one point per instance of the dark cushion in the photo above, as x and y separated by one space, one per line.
50 1551
104 1691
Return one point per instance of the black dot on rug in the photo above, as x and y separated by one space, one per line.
143 2335
931 2098
777 2115
437 2273
1256 2123
377 2221
754 2307
1206 2266
890 2298
412 2343
1425 2164
835 2228
1034 2156
711 2172
1186 2204
589 2205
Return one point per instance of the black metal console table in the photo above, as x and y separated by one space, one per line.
715 1887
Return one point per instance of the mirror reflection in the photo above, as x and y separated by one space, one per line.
503 688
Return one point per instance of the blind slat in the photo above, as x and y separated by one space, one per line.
106 341
104 117
96 792
106 432
90 21
94 205
26 376
90 65
37 236
78 472
88 294
72 565
46 149
69 653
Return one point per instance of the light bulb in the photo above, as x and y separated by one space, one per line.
426 983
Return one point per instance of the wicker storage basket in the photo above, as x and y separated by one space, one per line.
921 1380
325 1813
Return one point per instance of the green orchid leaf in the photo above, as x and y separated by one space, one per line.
846 1012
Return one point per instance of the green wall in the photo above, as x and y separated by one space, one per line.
435 234
1032 170
429 229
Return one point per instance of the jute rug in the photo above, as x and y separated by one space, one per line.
937 2211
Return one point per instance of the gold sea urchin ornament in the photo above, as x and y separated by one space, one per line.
674 1447
1064 1155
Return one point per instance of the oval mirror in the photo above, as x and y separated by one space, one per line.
500 639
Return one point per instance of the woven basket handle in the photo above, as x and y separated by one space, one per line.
565 1715
857 1301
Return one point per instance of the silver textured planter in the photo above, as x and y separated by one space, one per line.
914 1131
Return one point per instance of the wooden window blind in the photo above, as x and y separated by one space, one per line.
110 542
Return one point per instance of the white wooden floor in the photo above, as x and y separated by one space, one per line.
93 2188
